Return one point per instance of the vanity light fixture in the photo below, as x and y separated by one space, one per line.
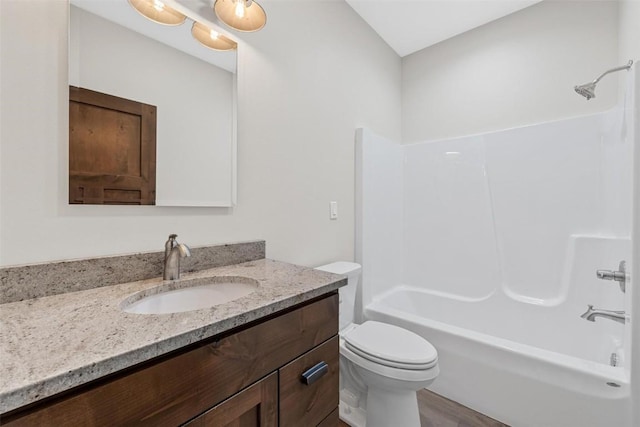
157 11
211 38
242 15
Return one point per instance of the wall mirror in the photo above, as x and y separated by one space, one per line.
116 51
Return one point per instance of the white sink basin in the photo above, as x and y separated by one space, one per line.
190 294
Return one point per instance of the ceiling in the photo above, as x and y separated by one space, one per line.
406 25
411 25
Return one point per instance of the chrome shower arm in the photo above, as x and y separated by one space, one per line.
613 70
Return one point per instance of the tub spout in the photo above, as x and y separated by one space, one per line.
592 313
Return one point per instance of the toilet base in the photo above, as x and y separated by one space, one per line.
354 416
384 409
392 408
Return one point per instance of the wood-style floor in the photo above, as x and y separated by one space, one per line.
437 411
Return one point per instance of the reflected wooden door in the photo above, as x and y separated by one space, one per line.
112 149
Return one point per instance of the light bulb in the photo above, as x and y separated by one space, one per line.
240 8
157 11
158 5
241 15
211 38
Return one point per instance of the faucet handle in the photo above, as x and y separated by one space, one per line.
172 236
619 276
185 250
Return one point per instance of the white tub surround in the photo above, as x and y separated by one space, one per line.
488 245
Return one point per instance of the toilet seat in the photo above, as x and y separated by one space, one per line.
391 346
397 374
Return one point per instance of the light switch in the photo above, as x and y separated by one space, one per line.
333 210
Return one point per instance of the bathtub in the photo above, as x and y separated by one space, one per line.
520 363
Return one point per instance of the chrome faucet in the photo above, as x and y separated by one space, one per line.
592 313
173 251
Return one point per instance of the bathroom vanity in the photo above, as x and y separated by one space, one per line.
240 363
251 376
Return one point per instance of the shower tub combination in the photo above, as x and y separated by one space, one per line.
511 379
488 247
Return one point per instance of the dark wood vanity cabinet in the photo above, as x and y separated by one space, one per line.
251 376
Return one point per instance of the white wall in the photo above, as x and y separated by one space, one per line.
305 85
629 30
633 291
515 71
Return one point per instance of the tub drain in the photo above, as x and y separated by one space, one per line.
612 384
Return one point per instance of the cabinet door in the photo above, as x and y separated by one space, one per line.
255 406
308 404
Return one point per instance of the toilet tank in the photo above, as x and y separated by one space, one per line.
348 292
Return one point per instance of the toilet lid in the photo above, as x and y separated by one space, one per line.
391 346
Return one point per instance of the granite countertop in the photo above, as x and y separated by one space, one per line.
54 343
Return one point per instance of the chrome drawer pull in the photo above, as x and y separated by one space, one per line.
314 373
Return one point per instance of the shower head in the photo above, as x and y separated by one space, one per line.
588 90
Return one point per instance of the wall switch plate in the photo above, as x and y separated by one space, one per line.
333 210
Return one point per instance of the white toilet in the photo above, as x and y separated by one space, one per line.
382 366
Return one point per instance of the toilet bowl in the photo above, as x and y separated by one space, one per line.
382 366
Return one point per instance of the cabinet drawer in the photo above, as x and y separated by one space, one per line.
308 405
173 390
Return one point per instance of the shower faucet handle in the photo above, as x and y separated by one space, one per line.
618 276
